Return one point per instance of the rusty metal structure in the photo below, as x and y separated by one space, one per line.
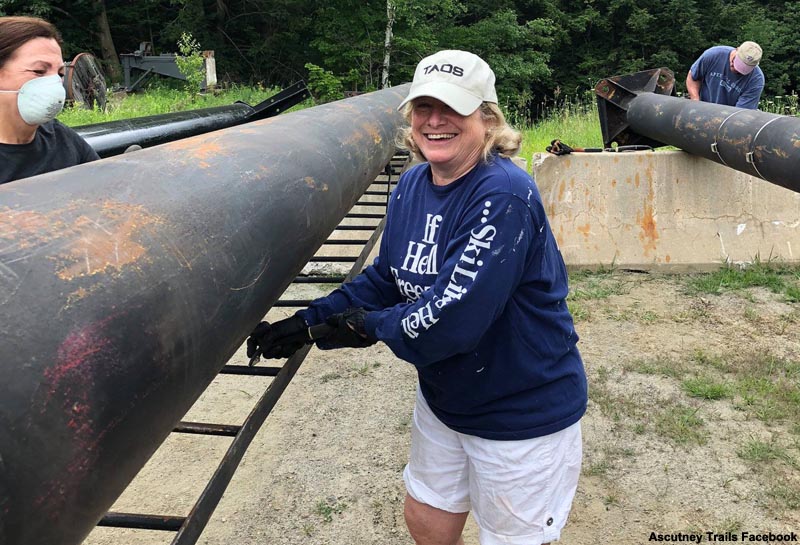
126 285
638 109
114 137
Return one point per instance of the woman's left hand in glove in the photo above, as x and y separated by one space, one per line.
348 329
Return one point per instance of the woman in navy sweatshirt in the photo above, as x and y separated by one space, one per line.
469 287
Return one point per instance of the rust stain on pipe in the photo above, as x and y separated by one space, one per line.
24 229
106 242
92 243
199 148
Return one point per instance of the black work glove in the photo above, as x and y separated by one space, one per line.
278 340
349 329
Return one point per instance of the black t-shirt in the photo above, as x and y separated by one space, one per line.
54 147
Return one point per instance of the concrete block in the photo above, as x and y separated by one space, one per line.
664 210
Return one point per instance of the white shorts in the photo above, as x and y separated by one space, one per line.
520 492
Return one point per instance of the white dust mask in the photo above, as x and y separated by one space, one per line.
40 100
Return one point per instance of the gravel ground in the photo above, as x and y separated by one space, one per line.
326 467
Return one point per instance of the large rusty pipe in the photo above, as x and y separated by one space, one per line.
758 143
127 283
638 109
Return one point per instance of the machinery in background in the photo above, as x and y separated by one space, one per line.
85 82
144 63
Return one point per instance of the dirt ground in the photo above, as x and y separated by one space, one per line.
326 467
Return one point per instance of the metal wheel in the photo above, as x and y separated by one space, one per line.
84 82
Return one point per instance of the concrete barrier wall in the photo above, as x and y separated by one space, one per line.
664 210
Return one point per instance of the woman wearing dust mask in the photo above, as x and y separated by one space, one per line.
32 94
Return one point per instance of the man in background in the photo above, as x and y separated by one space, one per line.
727 75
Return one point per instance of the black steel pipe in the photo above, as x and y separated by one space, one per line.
757 143
142 522
638 109
202 428
127 283
114 137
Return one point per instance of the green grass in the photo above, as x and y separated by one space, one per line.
771 386
597 469
765 386
595 285
574 122
658 365
327 377
162 99
327 508
780 104
777 278
706 388
682 425
776 465
580 313
760 452
786 496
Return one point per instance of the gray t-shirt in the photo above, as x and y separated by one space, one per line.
54 147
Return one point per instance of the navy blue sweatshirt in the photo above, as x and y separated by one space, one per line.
470 287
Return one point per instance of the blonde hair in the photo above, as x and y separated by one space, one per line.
500 138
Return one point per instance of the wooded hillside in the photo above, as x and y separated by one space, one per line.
538 48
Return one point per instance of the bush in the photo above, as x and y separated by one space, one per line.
191 63
323 85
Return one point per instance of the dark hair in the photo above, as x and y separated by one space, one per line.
15 31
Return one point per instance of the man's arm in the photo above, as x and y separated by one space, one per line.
693 86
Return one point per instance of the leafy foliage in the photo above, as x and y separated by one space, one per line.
190 62
538 48
324 86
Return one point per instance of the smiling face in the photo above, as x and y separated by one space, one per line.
35 58
451 143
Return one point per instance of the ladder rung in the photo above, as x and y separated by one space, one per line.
226 430
319 280
247 370
142 522
333 259
346 241
356 227
294 303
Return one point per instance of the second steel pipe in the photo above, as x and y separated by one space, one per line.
758 143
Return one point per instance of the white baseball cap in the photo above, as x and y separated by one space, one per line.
460 79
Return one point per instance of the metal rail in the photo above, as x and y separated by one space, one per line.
188 529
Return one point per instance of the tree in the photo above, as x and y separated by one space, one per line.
107 48
391 9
